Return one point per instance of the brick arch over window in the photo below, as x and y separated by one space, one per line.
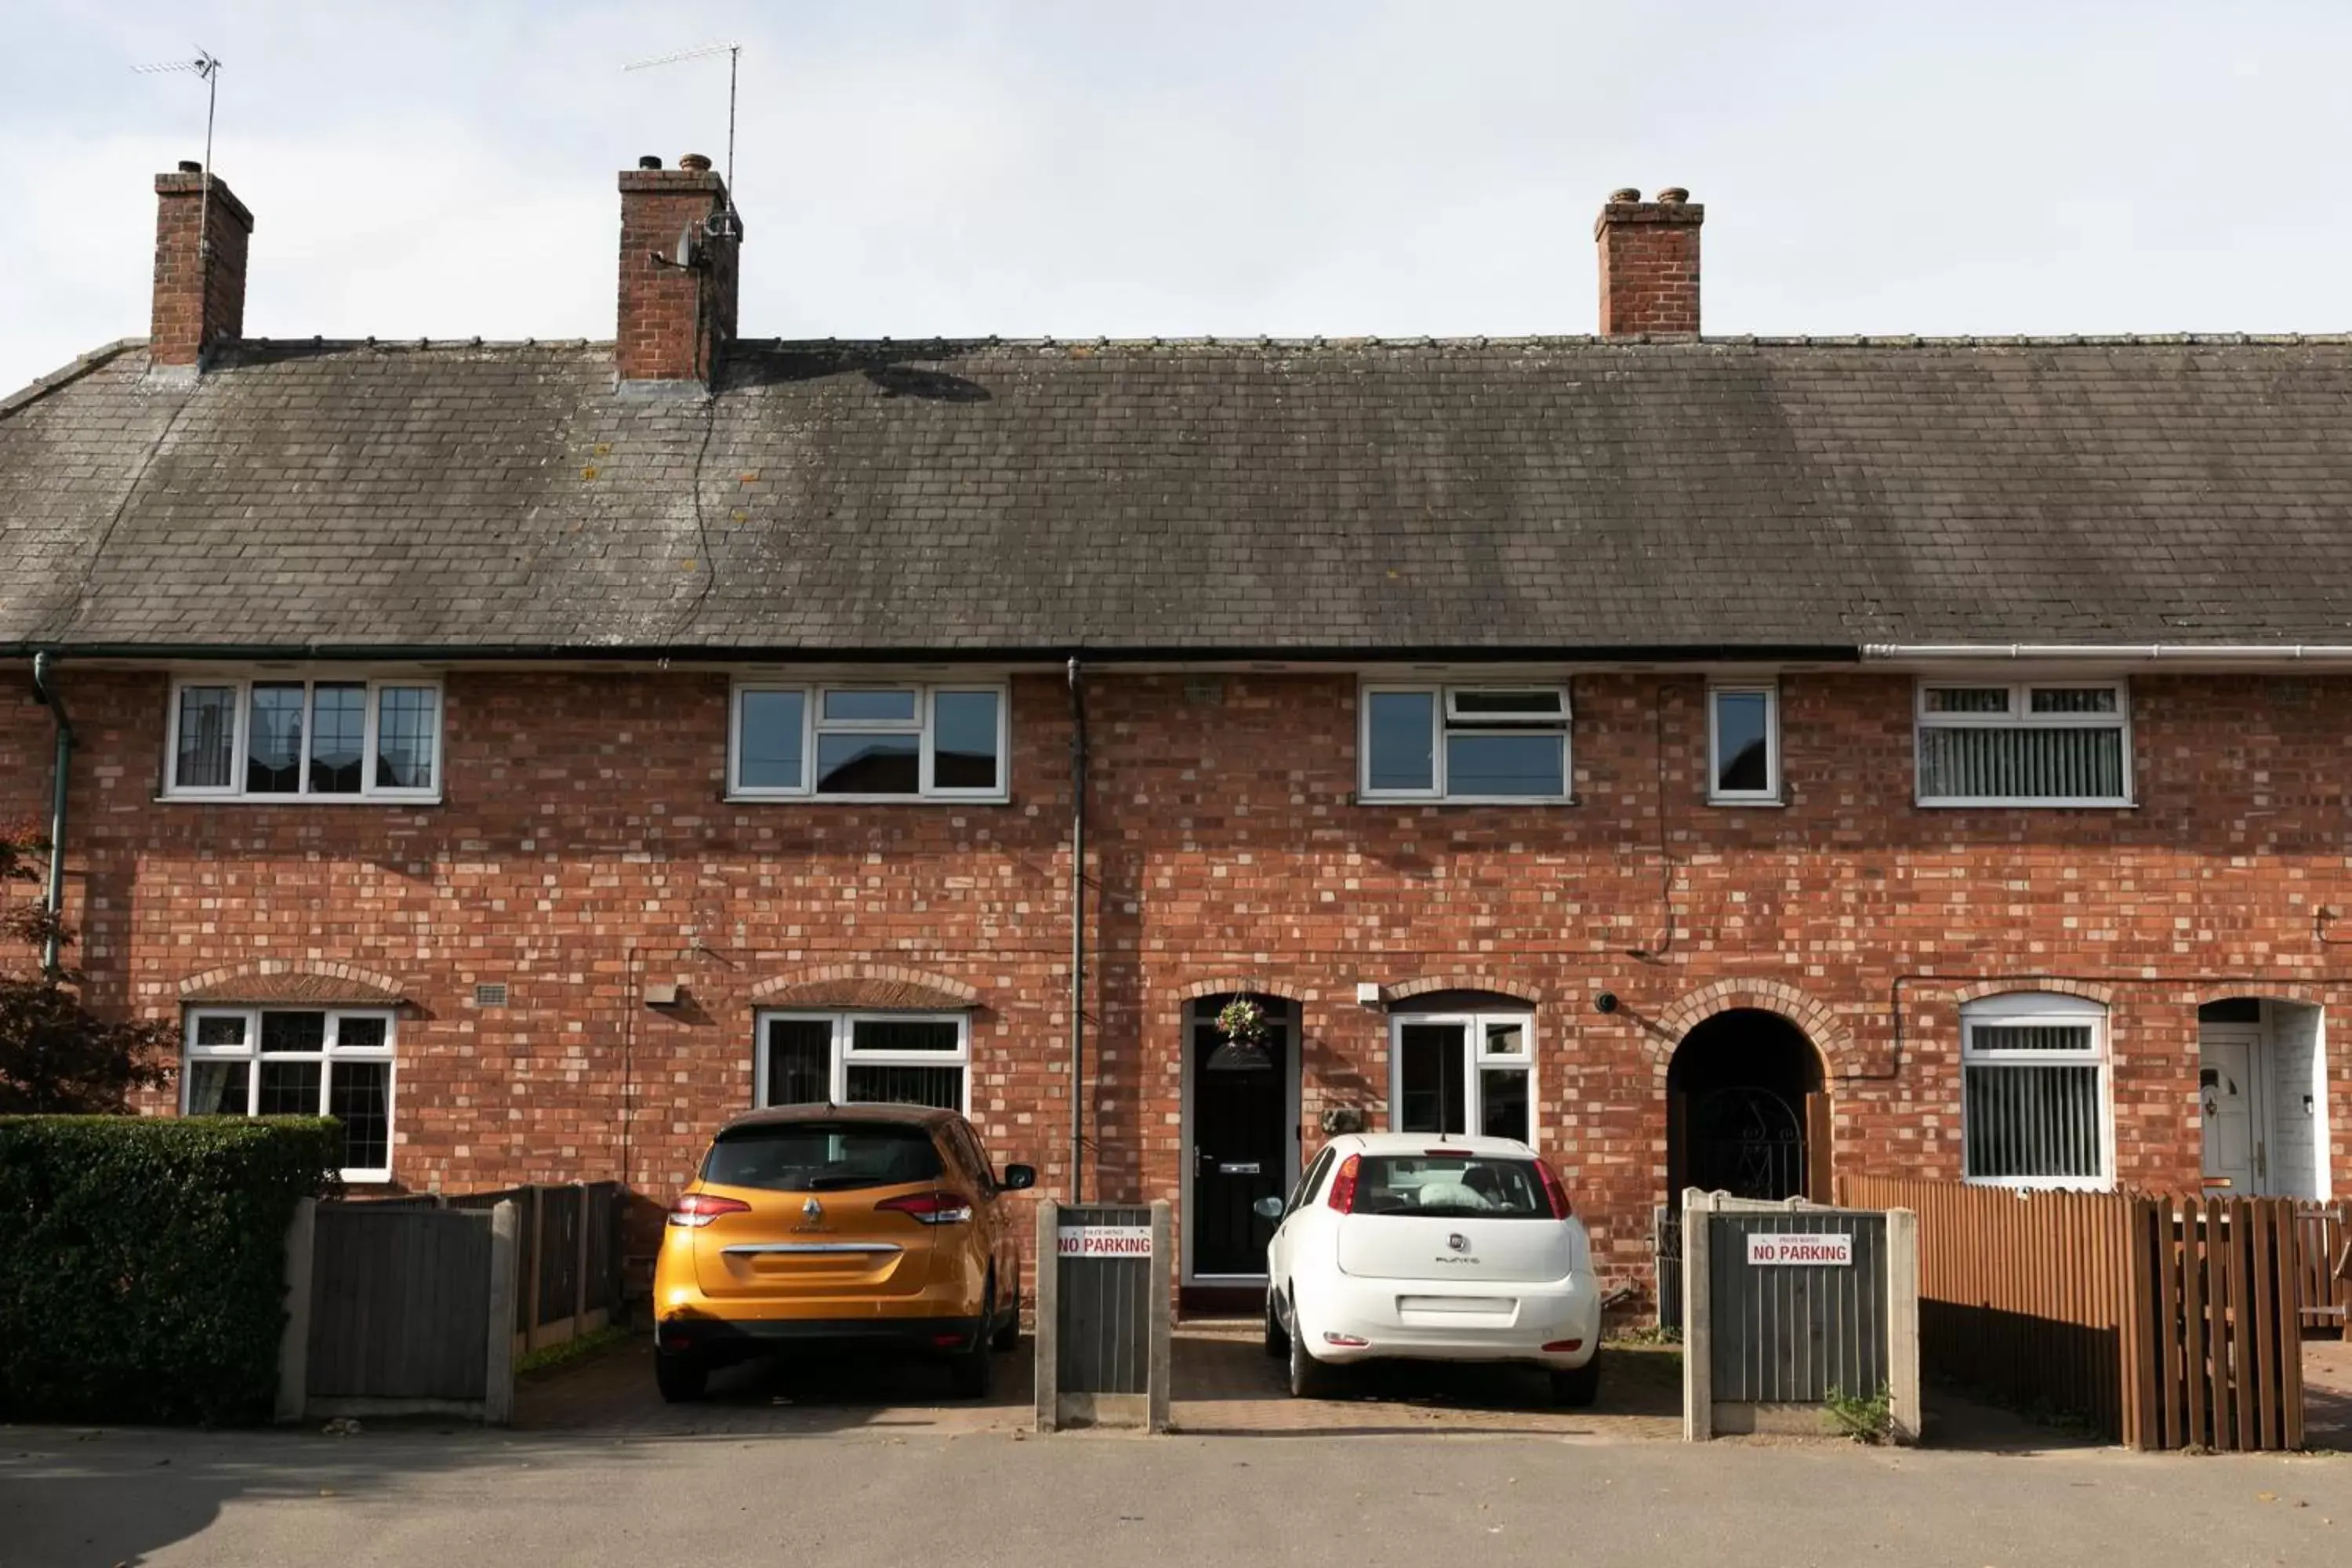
1460 979
285 980
2040 985
866 985
1820 1026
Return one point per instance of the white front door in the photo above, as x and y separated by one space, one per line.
2227 1099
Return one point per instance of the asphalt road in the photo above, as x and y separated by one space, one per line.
426 1497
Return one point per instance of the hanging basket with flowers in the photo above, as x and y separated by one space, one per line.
1243 1023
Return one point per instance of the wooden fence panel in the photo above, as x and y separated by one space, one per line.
2320 1233
2171 1323
397 1302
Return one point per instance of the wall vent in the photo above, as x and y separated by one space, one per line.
490 995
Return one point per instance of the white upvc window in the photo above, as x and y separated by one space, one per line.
2035 1092
2039 742
864 741
1503 743
328 736
851 1058
296 1061
1743 743
1462 1072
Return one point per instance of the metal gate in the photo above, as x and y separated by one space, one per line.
1103 1302
1666 1253
1806 1332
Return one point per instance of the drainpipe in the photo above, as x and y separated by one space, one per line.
53 897
1077 935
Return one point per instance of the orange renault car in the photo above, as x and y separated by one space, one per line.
879 1225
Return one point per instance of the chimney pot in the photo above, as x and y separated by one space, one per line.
1649 263
1625 193
649 162
189 166
695 162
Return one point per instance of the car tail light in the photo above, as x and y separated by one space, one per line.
1567 1347
698 1209
931 1208
1343 1185
1346 1342
1554 1190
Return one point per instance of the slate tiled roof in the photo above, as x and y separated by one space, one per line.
1458 497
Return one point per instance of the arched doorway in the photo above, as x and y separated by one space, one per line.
1747 1109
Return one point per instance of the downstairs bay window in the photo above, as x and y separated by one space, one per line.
1462 1073
2035 1108
291 1061
849 1059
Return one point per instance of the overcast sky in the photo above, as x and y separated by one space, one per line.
913 167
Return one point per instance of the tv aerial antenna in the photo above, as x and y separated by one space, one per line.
205 67
725 223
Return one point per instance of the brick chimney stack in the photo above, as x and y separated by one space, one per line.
675 320
199 276
1649 263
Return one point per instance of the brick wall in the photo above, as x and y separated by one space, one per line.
584 850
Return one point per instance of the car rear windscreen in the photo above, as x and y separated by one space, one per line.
1453 1187
822 1157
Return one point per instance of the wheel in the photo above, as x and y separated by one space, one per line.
1309 1378
1009 1335
1579 1386
971 1372
1277 1339
681 1376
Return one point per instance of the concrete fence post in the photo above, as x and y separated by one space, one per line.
294 1339
497 1387
1699 1373
1161 1356
1048 1337
1903 1323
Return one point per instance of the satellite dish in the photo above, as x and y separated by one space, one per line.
690 247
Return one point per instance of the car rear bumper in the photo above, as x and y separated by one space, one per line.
1354 1320
732 1338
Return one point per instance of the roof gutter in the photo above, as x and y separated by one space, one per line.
2112 653
53 896
1055 654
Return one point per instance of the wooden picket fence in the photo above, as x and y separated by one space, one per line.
2172 1323
2321 1235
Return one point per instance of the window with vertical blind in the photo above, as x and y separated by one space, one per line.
2034 1086
2028 743
253 1061
845 1058
292 738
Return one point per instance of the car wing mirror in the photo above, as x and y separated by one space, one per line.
1019 1177
1267 1208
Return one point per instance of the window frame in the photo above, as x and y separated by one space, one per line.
925 725
842 1049
2021 716
1445 720
2027 1009
242 681
331 1051
1476 1059
1769 690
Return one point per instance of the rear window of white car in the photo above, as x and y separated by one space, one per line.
821 1157
1450 1187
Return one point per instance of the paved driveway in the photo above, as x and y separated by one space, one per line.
1224 1383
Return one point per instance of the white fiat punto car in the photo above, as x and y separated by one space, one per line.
1434 1247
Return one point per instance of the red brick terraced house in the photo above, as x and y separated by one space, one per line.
1716 760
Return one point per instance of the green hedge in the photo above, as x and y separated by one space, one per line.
142 1262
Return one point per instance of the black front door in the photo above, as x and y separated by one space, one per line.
1241 1144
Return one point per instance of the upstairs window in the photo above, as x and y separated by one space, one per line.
2035 1079
1743 746
1464 742
272 738
870 743
2026 744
